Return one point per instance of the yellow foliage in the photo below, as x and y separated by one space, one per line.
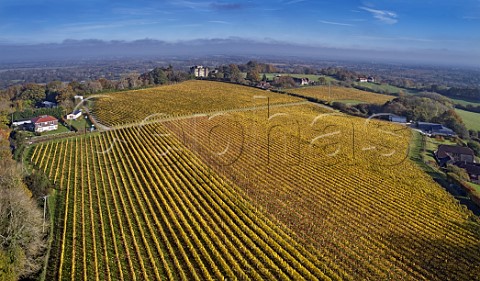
336 93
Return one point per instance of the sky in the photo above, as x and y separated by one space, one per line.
405 25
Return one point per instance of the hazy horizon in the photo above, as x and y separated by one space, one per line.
439 32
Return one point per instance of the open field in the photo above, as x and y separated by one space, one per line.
382 88
311 77
331 94
350 102
471 119
186 98
464 102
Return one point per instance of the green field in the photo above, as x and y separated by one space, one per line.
382 88
475 185
350 102
311 77
81 123
465 103
471 119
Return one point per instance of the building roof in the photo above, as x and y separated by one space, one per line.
43 118
446 150
435 128
471 168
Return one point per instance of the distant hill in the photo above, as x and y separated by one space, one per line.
95 49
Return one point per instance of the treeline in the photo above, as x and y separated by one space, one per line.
29 113
469 107
22 230
426 107
25 98
469 94
235 72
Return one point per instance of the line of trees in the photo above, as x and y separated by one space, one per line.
426 107
22 241
24 98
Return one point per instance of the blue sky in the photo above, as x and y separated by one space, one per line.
452 25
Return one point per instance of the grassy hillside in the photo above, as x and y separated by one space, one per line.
382 88
464 102
311 77
471 119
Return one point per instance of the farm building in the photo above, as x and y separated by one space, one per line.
449 154
397 119
362 79
74 115
44 123
434 129
370 79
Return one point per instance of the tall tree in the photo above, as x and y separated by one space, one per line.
33 92
253 74
235 74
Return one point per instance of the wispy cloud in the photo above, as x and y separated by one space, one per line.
219 22
226 6
91 26
294 2
198 6
188 25
206 6
384 16
398 38
335 23
138 11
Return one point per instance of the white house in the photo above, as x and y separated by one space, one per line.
77 97
74 115
44 123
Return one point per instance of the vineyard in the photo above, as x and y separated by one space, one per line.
186 98
289 193
344 185
335 93
141 207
